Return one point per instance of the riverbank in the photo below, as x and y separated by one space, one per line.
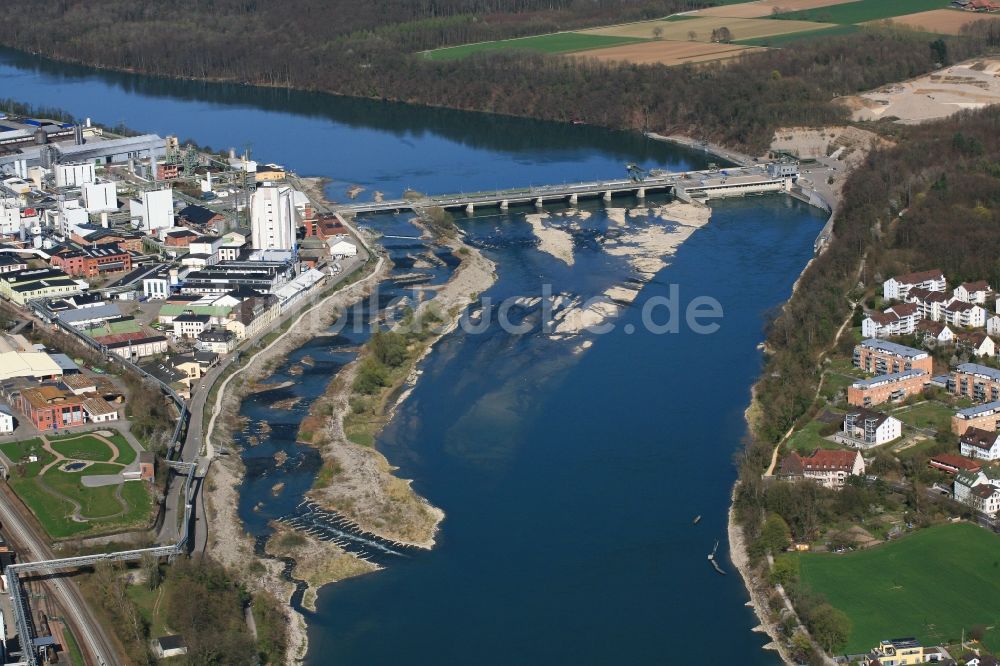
357 481
848 148
228 541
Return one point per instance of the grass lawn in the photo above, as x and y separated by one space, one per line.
145 600
930 584
932 415
98 505
778 41
83 447
72 647
126 454
808 438
834 382
51 511
562 42
17 451
140 503
863 10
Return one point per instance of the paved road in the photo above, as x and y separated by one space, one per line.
193 442
32 547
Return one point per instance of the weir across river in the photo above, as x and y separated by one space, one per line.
686 186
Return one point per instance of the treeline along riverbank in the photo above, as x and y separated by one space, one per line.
929 201
370 50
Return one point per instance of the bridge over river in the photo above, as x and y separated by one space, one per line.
686 186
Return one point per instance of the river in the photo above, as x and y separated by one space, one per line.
569 480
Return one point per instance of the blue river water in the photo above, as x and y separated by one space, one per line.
569 480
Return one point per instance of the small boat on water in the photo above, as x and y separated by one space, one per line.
697 519
711 559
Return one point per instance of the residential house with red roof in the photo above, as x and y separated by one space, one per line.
953 464
980 444
825 466
900 319
972 292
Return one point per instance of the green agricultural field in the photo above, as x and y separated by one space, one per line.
560 42
780 41
930 584
863 11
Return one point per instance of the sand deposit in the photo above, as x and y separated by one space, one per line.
616 216
575 319
969 85
646 247
621 294
552 240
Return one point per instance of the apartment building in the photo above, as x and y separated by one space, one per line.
887 388
929 303
881 357
982 417
979 382
964 315
864 429
972 292
979 489
900 319
898 288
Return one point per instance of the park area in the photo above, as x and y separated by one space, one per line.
931 584
72 482
727 31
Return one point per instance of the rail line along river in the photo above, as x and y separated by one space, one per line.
569 465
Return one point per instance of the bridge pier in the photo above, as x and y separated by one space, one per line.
607 196
538 202
470 209
504 205
641 193
572 199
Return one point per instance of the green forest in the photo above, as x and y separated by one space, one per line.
370 49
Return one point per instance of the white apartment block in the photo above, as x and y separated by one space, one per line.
898 288
972 292
965 315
